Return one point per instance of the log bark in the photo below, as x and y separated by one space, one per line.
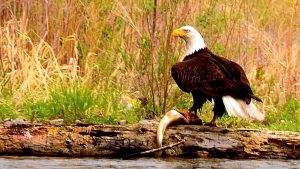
120 141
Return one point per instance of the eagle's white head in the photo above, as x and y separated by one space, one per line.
192 37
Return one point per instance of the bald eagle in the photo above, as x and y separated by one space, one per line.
210 77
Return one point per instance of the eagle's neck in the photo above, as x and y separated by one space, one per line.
194 43
198 53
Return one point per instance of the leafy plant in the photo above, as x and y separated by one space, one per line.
7 111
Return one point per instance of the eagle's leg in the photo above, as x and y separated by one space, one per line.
218 110
198 103
212 123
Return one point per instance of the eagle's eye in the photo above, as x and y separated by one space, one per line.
186 30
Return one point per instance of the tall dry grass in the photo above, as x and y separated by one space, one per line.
125 47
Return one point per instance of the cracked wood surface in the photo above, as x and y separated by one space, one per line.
120 141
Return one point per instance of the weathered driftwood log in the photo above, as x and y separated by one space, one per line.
120 141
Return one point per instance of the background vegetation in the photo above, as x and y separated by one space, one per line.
106 60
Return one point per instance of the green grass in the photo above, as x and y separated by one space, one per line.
7 111
78 101
69 102
287 118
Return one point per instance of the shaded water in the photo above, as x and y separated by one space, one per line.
87 163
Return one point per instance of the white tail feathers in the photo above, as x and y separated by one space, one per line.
237 107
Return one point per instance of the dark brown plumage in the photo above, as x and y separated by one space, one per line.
212 76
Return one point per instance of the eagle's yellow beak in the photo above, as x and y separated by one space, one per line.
178 33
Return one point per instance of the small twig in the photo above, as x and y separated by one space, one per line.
154 150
